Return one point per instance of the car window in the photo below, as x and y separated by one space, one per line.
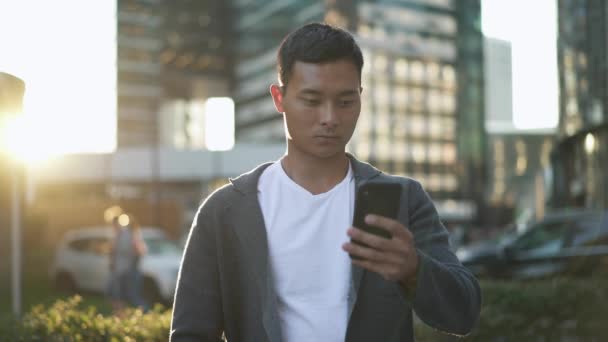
589 232
79 245
161 246
98 245
545 235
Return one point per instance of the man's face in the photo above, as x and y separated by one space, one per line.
321 105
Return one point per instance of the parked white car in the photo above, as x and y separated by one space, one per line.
82 262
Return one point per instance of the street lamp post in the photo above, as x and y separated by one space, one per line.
12 90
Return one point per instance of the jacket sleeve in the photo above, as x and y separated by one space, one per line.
447 295
197 313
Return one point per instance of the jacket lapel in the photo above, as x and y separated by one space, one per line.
363 172
247 222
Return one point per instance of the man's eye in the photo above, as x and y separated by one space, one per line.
346 103
311 102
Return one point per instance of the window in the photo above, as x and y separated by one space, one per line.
157 246
400 97
434 153
79 245
417 71
418 152
401 69
416 125
380 63
100 246
548 236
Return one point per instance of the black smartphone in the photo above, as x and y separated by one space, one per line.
379 198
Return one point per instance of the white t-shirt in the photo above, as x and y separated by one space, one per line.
310 270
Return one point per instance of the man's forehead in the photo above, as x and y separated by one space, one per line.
340 76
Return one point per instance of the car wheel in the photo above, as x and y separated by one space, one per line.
151 292
65 282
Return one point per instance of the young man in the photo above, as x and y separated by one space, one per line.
267 258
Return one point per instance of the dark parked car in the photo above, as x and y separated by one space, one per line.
573 242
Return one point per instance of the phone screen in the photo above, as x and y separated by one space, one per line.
376 198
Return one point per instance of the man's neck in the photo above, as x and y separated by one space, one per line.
315 174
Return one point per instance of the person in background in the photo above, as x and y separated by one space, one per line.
128 247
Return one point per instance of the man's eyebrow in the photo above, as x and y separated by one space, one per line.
308 91
348 93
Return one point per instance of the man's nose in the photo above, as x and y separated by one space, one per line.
329 116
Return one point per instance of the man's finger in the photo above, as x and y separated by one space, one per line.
371 254
380 268
374 241
392 226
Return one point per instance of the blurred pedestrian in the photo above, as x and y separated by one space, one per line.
267 258
128 247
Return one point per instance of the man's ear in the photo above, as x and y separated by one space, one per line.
277 97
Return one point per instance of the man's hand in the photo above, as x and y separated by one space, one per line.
394 259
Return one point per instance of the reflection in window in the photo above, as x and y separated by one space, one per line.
379 32
435 127
416 126
400 97
383 148
382 94
383 124
364 30
450 182
417 99
363 149
449 76
418 152
448 127
549 237
401 69
380 63
435 153
400 151
449 102
417 71
434 101
434 182
367 56
432 72
449 153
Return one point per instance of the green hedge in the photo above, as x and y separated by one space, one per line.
572 309
562 309
68 320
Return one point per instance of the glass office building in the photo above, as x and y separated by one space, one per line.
172 55
583 64
139 44
580 159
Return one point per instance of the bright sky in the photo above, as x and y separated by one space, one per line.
65 51
531 27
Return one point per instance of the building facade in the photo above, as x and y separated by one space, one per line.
172 55
580 159
583 64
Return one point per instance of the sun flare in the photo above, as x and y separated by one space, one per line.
68 62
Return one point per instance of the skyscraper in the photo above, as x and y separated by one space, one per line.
580 159
139 88
172 55
583 64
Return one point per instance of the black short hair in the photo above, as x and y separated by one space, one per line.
316 43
